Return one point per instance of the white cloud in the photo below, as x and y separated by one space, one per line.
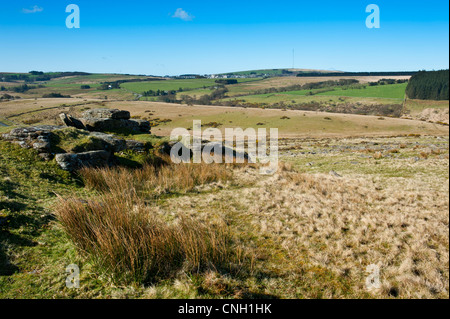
33 10
183 15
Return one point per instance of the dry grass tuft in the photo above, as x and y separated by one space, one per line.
123 238
424 155
153 181
378 155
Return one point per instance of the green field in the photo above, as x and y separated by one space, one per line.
169 85
92 78
197 87
381 94
71 85
393 91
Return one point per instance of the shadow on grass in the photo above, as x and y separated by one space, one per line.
6 268
10 240
19 222
7 188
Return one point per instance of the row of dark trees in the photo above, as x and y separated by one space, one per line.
429 85
20 89
387 82
227 81
55 95
37 76
160 92
327 84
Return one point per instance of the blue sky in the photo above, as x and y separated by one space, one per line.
177 37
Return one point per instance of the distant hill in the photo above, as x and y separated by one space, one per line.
313 73
338 73
276 72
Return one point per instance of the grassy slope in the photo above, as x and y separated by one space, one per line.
299 124
39 251
417 106
378 94
248 87
317 233
93 79
33 250
71 86
287 99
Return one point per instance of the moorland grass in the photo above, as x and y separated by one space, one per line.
119 233
126 241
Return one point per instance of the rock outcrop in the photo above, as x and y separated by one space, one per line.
71 121
186 153
72 162
107 120
109 125
107 114
110 143
36 137
135 146
180 150
45 138
89 145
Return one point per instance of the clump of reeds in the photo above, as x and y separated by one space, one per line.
153 179
124 239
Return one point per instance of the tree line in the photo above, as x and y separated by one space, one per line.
37 76
388 82
21 88
429 85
